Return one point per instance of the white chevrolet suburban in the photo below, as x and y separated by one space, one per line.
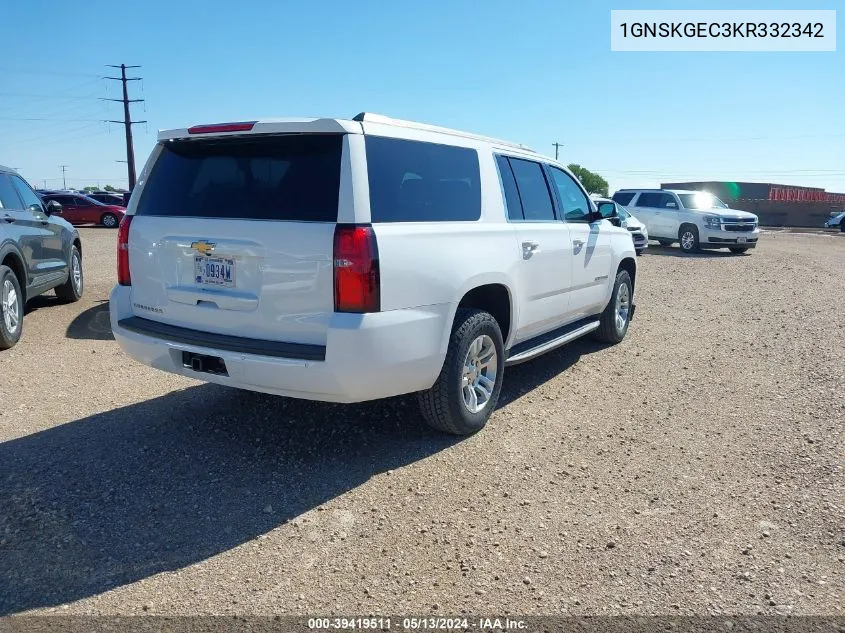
348 260
694 219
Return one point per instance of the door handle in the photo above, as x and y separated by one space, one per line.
529 248
578 243
8 218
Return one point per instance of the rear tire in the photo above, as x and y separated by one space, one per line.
109 220
71 290
688 238
737 251
466 377
617 315
11 308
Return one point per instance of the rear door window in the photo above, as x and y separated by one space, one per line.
533 190
656 200
512 201
293 177
412 181
623 197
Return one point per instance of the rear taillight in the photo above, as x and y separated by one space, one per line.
356 270
123 276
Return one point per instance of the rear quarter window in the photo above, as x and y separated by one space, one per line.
412 181
294 177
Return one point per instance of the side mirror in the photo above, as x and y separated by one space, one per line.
54 208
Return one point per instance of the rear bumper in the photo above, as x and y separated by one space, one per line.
367 356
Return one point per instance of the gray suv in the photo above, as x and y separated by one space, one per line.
39 251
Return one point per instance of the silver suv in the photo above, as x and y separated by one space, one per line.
694 219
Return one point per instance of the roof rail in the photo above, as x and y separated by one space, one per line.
370 117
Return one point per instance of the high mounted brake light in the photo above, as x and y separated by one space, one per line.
244 126
356 269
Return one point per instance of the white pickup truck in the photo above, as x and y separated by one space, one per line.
347 260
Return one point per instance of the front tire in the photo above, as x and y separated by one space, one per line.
617 315
109 220
688 237
11 308
465 394
71 290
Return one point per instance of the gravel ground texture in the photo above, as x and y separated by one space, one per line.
696 468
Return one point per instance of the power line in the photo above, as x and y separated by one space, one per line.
127 120
29 71
16 118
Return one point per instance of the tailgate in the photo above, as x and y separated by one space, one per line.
234 236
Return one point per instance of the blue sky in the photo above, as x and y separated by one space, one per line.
536 72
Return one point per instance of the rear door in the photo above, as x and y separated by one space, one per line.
544 274
234 235
41 237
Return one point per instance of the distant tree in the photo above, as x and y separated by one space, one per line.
592 182
110 188
90 188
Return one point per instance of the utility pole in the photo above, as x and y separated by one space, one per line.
64 179
127 119
557 146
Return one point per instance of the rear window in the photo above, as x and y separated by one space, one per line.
294 177
411 181
623 197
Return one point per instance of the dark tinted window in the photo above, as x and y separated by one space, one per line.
65 201
29 197
656 200
514 206
533 190
294 177
412 181
576 206
623 197
8 196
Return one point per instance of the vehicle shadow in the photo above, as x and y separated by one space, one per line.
119 496
41 301
92 324
674 251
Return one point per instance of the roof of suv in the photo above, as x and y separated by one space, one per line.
324 126
660 190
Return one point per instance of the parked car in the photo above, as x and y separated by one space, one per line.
694 219
638 230
79 209
836 219
348 260
107 197
39 251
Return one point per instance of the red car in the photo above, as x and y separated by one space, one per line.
79 209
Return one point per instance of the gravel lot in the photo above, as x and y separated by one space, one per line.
696 468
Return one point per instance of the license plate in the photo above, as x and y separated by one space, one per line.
214 271
742 240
